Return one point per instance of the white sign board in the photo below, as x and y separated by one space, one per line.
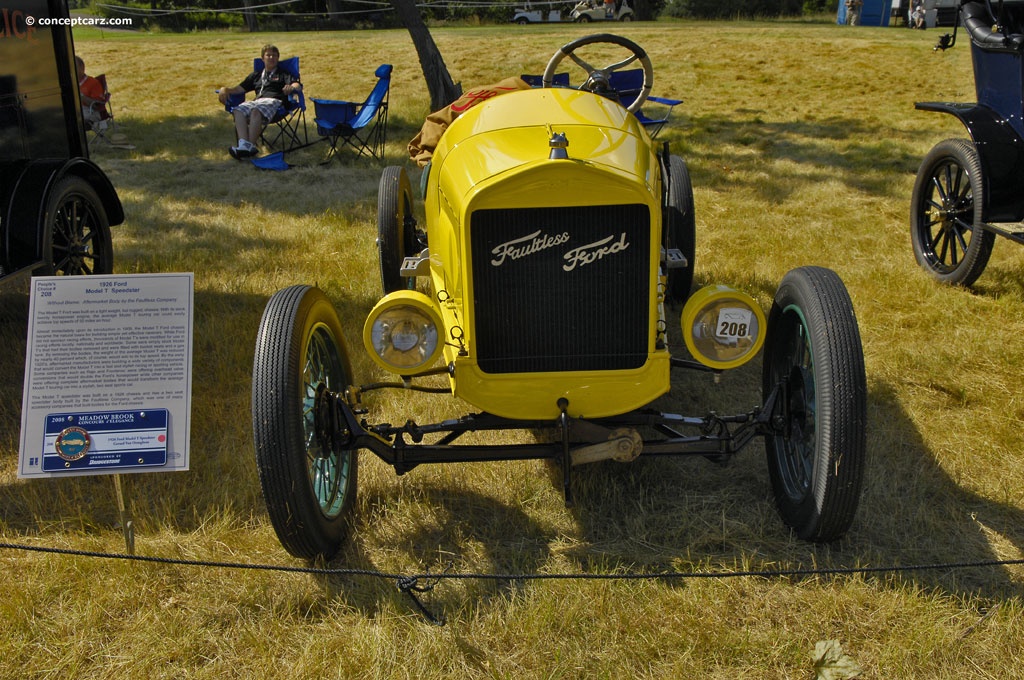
108 375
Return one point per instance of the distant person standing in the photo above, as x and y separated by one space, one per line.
853 12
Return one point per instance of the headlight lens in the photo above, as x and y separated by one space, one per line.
401 333
723 328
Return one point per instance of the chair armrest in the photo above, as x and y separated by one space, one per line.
662 100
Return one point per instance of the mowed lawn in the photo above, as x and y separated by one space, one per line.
802 141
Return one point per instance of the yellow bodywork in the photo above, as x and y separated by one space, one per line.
496 155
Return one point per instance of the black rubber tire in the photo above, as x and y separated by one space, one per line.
813 351
522 21
309 491
628 17
583 19
679 229
396 228
946 229
80 239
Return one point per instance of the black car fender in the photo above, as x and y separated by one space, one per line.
1001 152
26 236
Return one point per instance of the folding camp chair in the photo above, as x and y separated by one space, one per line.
559 80
360 126
100 120
288 127
628 85
98 117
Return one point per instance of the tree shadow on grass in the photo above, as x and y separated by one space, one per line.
726 154
687 512
462 531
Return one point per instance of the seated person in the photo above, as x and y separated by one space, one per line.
272 87
917 15
90 90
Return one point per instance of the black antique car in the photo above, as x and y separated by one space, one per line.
968 191
56 206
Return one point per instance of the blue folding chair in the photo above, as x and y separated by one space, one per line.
288 127
362 126
628 85
558 80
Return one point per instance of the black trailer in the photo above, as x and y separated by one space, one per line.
56 206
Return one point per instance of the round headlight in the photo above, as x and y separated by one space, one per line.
723 328
402 332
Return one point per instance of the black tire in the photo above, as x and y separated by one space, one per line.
583 19
396 228
679 228
627 17
522 21
949 238
813 353
80 242
309 490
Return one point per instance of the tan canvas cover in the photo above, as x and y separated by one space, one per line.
422 146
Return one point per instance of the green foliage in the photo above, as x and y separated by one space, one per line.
733 9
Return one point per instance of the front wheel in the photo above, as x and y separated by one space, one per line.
396 228
309 488
814 359
946 229
80 240
583 19
679 228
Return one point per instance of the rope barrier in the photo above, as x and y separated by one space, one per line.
410 584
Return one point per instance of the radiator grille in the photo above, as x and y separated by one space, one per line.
561 289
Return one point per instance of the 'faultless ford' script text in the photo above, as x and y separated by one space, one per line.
526 245
592 252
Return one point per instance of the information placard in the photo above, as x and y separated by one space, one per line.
108 375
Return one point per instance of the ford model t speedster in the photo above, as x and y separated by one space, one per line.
969 191
557 237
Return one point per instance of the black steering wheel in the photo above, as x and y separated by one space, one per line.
598 78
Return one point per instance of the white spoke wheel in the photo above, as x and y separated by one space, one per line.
309 488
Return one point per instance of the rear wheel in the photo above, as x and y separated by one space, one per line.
813 356
79 230
396 228
309 488
946 229
679 228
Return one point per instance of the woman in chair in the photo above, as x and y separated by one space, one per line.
272 87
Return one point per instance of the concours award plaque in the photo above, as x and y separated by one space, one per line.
108 375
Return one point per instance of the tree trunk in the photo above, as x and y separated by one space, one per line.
439 82
250 17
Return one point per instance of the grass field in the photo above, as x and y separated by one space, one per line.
802 142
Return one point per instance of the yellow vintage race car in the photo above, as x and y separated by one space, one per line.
557 234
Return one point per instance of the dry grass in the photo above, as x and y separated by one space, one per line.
802 142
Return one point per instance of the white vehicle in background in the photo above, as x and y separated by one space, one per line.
529 15
592 10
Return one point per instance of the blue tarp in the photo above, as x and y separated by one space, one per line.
272 161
